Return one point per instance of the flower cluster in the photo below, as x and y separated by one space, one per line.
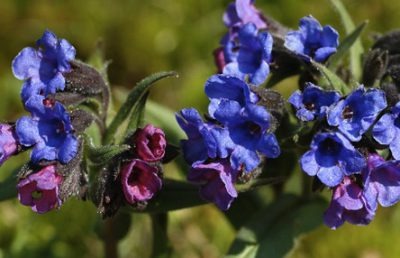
342 156
48 130
238 131
348 130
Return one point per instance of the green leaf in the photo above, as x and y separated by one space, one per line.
103 154
132 100
345 46
272 232
357 49
8 189
173 196
335 82
136 117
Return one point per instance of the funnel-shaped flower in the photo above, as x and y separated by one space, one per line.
249 55
350 204
49 131
312 41
217 182
331 158
140 181
40 190
357 112
43 68
387 131
313 102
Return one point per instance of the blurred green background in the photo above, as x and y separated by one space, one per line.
140 38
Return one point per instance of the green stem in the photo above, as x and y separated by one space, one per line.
161 248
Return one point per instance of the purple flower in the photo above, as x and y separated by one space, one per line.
249 55
242 12
387 130
331 158
313 102
43 69
8 142
357 112
382 180
140 181
40 190
49 131
312 40
150 143
249 130
205 140
225 87
217 181
349 203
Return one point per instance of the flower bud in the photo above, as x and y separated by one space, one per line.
150 143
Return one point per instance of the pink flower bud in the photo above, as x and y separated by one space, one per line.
150 143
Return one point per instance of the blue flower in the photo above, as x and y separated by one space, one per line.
217 181
43 69
357 112
49 131
313 102
205 140
249 55
242 12
331 158
349 203
249 130
225 87
387 130
312 40
382 180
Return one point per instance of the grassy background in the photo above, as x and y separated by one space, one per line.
142 37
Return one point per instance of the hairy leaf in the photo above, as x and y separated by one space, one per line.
357 49
345 46
132 100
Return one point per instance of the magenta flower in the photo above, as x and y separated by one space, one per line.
8 142
140 181
40 190
150 143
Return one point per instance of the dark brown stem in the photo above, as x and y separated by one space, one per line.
110 240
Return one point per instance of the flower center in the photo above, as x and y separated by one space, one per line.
49 102
309 106
347 113
330 146
254 128
36 195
